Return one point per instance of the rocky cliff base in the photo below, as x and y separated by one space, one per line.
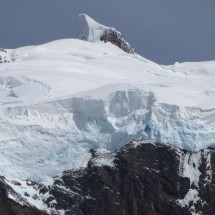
139 179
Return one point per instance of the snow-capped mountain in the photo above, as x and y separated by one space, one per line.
61 99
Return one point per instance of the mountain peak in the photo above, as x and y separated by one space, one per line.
91 30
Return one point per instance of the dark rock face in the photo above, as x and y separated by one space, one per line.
139 179
146 179
115 37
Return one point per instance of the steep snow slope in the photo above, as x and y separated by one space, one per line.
60 99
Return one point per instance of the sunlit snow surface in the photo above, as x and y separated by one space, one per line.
60 99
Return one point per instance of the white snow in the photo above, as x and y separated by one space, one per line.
61 99
104 158
90 29
191 198
189 167
27 194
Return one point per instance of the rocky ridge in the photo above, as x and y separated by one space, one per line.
141 178
115 37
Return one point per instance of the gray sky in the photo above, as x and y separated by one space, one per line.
164 31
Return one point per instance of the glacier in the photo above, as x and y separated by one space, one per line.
60 99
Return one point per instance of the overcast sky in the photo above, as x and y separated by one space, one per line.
164 31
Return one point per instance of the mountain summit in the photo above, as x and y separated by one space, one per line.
90 30
93 31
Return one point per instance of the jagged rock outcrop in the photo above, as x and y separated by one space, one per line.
116 38
141 178
91 30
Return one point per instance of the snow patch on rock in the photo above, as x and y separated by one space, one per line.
191 198
189 167
209 172
27 193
